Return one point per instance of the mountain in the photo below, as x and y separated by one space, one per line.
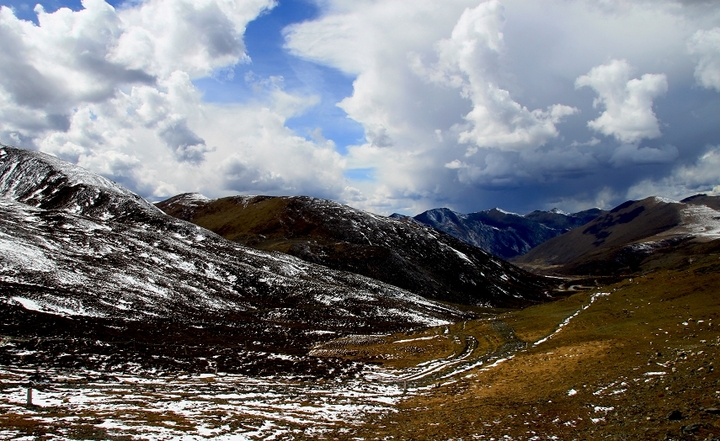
503 234
560 221
703 199
120 322
402 253
630 236
84 258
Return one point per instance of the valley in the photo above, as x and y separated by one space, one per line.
631 360
285 319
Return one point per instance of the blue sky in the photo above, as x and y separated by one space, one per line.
385 105
264 41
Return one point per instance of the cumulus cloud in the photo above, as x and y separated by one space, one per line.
705 45
78 57
700 176
469 60
186 145
429 91
468 103
162 36
63 61
112 90
628 103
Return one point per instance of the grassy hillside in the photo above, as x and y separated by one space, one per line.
402 253
631 238
633 360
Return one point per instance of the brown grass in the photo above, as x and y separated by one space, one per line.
596 378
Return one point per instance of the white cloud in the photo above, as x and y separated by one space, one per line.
428 92
461 101
194 36
706 46
628 103
112 90
700 176
64 60
470 60
466 96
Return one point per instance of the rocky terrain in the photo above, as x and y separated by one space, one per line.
402 253
629 360
503 234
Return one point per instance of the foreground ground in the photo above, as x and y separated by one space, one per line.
631 360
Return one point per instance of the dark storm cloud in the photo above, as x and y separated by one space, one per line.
186 145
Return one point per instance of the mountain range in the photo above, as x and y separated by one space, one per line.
634 236
258 317
404 254
501 233
82 256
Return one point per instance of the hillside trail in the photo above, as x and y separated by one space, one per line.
503 345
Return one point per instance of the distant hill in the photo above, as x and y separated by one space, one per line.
399 252
503 234
630 236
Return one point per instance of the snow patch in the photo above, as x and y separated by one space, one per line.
565 322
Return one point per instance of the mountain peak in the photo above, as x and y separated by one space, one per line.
627 237
44 181
501 211
75 244
409 255
502 233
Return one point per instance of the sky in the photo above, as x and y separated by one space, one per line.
384 105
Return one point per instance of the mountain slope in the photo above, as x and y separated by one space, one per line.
405 254
623 239
703 199
504 234
82 256
557 220
49 183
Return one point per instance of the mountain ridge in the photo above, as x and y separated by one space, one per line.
501 233
405 254
85 251
629 236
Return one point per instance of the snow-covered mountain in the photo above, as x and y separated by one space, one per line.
76 246
46 182
504 234
405 254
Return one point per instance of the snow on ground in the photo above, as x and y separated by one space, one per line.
700 220
197 407
572 316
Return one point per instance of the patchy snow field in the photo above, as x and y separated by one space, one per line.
188 407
